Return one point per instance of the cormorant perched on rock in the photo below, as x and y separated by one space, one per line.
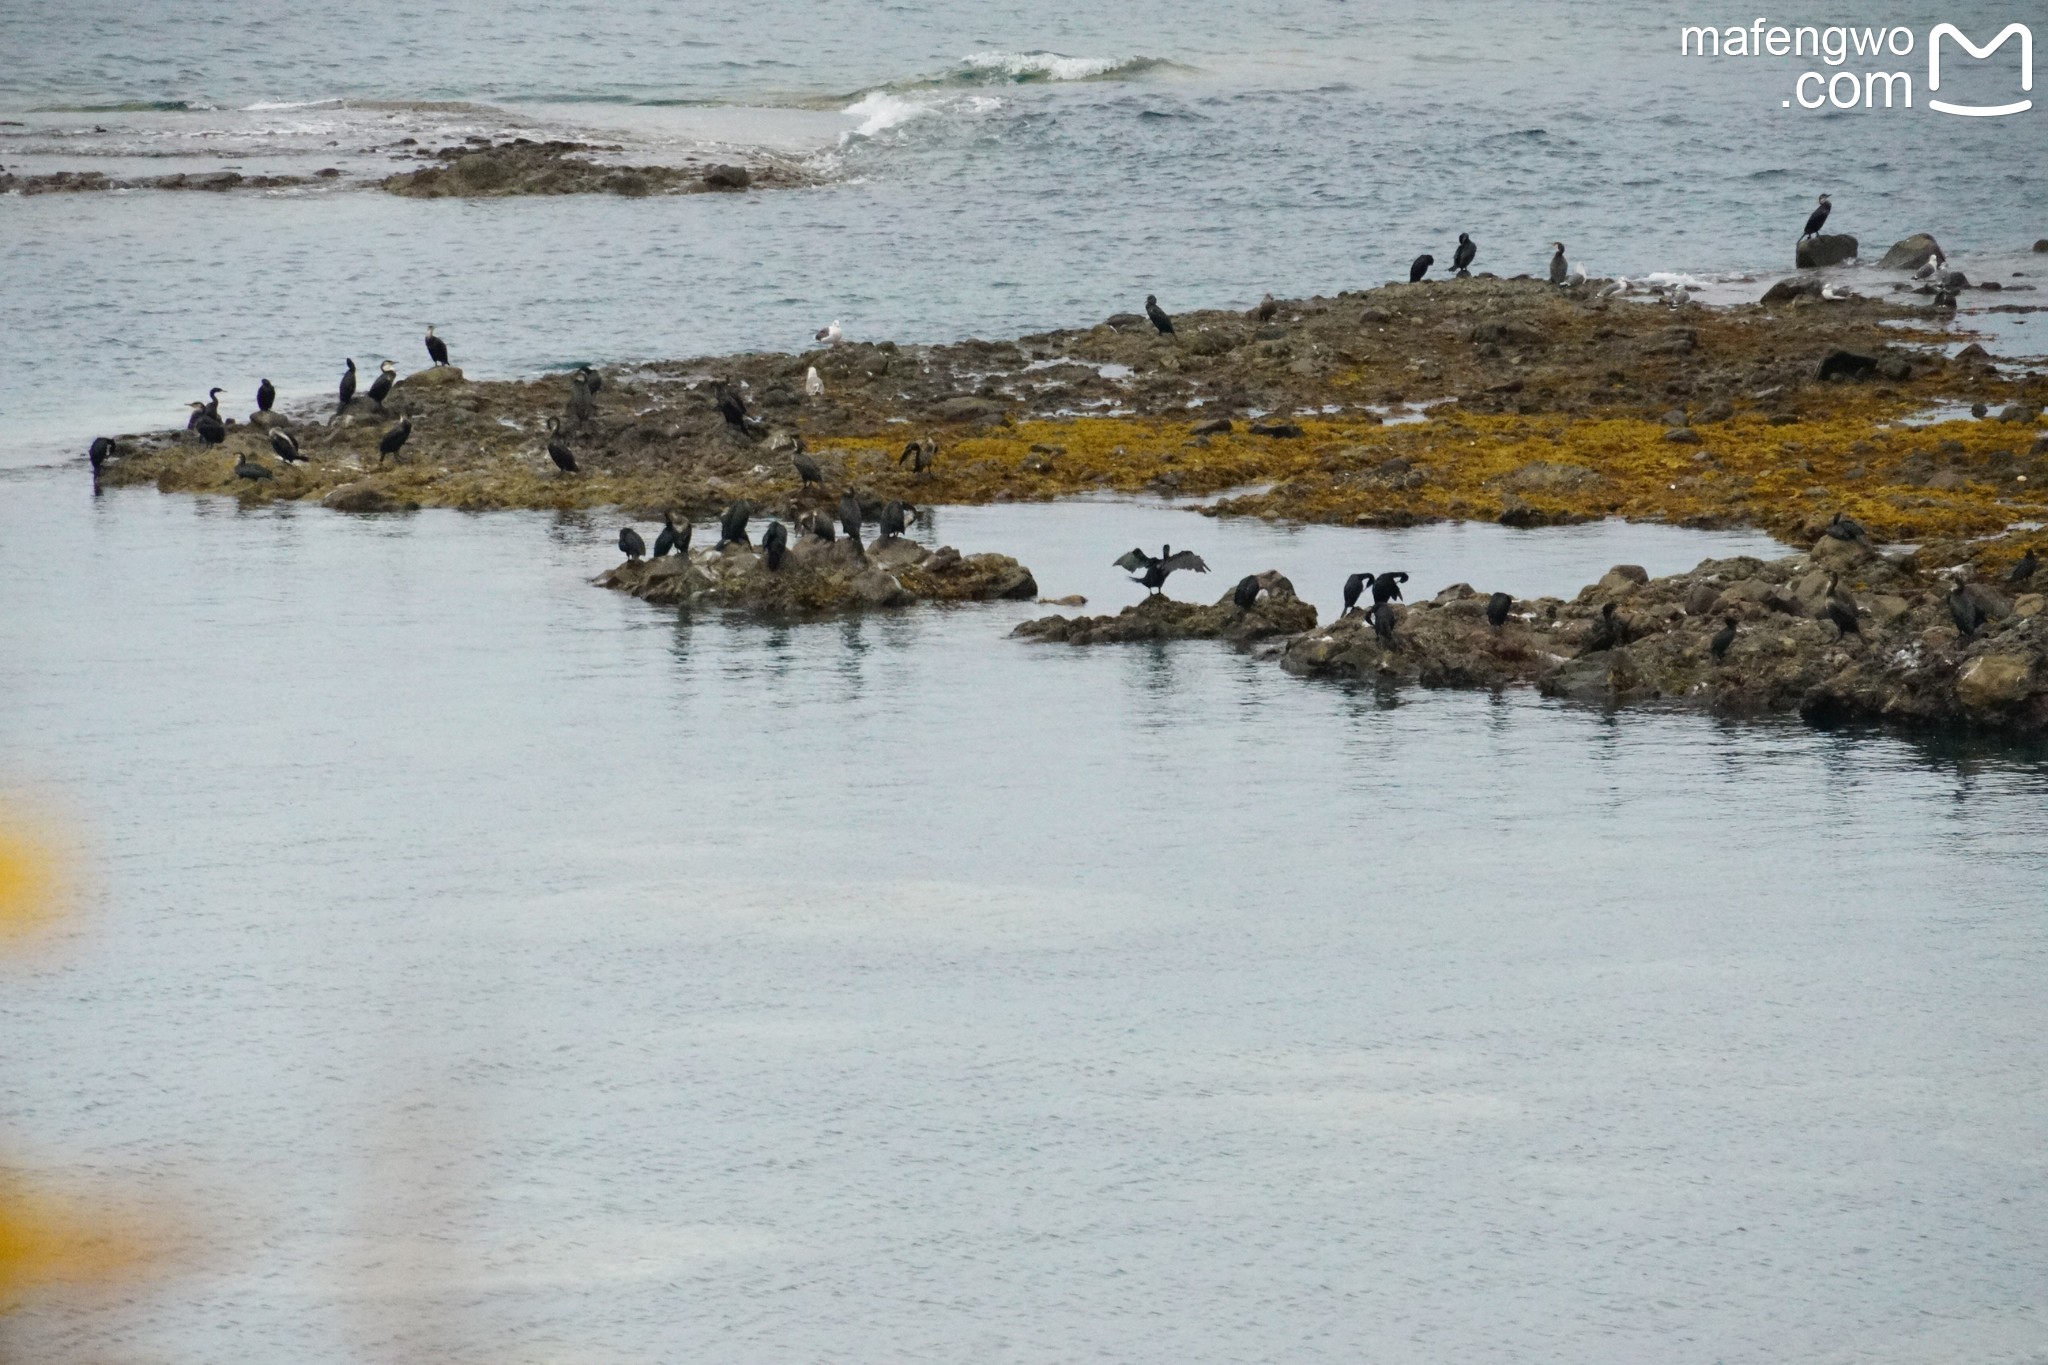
819 523
896 518
348 386
1461 259
1158 315
266 394
1420 267
775 544
808 470
1559 267
208 424
380 387
1246 594
1387 587
1843 615
564 458
630 543
671 537
1609 631
830 335
589 378
437 349
1382 618
1155 570
582 401
1354 587
1842 528
100 451
732 527
1817 219
287 448
1266 309
248 469
1963 609
851 516
731 407
1723 638
1497 608
2022 572
919 454
213 401
394 439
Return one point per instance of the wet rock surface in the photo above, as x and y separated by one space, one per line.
820 578
1276 611
1906 661
520 166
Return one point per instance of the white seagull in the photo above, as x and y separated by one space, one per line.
814 384
830 335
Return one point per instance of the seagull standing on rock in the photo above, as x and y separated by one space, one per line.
814 383
831 335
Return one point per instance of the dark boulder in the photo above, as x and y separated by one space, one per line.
1828 249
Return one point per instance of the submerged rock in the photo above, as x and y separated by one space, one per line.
1277 611
821 578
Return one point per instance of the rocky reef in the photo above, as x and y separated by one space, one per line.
1276 611
1841 633
819 578
482 169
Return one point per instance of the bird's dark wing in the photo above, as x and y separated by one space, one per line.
1134 561
1183 559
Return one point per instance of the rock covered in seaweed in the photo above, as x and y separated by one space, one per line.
1277 611
822 578
1906 661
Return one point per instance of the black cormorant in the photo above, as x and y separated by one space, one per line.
1382 618
1840 608
100 451
348 386
287 448
732 527
248 469
1559 267
380 387
1723 638
589 378
1817 219
919 454
437 349
732 407
896 518
1497 607
1158 315
774 544
213 401
1420 267
1609 631
1266 309
630 544
819 523
671 537
1354 588
1842 528
582 403
208 424
2023 572
1246 594
1461 259
394 440
808 470
851 516
558 451
1387 587
1963 609
266 394
1155 570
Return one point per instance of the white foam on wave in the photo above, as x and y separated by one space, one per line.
879 111
1050 66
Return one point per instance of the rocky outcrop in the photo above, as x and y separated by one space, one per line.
1912 253
818 578
486 170
1815 253
82 182
1277 611
1905 662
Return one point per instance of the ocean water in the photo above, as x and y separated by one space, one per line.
989 170
482 966
479 966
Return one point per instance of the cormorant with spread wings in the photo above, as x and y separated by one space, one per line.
1155 570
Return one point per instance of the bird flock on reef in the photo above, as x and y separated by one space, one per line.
849 516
